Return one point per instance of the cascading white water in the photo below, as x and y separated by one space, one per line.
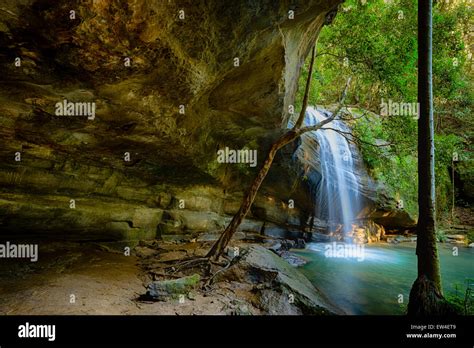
329 164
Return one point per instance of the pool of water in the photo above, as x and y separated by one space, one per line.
374 285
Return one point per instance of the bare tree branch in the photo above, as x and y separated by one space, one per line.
355 139
300 120
354 117
329 119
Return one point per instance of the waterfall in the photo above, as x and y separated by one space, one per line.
329 165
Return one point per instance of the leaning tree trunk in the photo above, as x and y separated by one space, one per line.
218 247
224 239
426 296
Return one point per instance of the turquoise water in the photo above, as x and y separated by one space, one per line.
374 285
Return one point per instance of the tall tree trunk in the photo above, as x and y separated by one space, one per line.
224 239
426 296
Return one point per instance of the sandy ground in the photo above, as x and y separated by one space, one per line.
102 282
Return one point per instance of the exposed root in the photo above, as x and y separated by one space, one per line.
189 263
203 263
426 300
207 284
206 266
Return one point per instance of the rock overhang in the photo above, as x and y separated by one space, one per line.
142 63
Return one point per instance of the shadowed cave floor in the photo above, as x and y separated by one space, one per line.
103 283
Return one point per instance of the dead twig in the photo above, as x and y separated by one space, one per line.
357 139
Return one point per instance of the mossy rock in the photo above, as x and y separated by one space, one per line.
164 290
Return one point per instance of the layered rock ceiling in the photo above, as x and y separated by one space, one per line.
168 93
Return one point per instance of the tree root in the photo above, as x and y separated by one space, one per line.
426 300
207 284
205 266
201 262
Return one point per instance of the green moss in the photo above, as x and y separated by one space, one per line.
173 289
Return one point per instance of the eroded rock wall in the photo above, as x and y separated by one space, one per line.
172 82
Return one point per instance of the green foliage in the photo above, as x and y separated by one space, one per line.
392 165
461 298
445 146
376 44
470 236
441 235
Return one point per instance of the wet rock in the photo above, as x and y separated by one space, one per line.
275 246
300 244
291 292
287 244
395 239
373 231
293 259
357 235
282 247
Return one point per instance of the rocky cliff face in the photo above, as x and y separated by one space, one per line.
172 82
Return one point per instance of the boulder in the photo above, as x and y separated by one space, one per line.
164 290
291 292
456 237
292 259
300 243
